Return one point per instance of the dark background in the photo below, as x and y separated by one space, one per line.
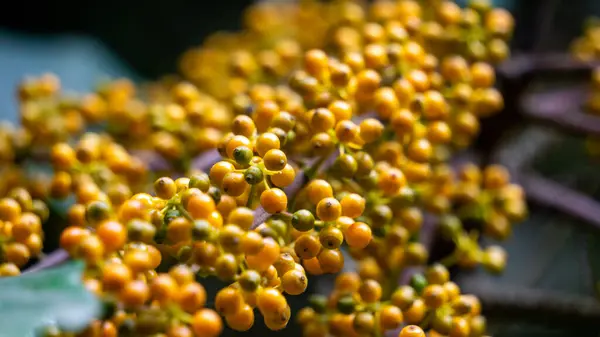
150 35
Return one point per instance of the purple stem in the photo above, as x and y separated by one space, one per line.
562 108
206 160
55 258
550 307
528 64
260 215
550 194
427 235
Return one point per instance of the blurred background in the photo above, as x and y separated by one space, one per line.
84 42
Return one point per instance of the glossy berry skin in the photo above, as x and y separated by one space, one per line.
273 200
206 322
411 331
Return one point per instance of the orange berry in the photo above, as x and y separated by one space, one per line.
135 293
307 246
273 200
228 301
163 288
200 206
329 209
390 317
191 297
270 301
411 331
112 234
358 235
347 282
206 322
319 189
267 256
115 276
294 282
353 205
312 266
331 260
242 320
71 237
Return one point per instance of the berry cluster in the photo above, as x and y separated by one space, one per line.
277 33
323 132
356 308
586 49
21 237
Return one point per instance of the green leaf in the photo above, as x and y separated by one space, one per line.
53 297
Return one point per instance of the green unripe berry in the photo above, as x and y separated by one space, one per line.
346 305
364 163
200 181
442 323
418 282
268 232
139 230
184 253
202 230
303 220
331 237
345 165
406 198
249 280
278 225
215 193
318 303
242 155
290 137
41 210
253 175
97 211
381 215
449 225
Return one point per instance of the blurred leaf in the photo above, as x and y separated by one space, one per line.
53 297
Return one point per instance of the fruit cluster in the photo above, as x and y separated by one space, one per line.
431 302
21 236
586 48
323 132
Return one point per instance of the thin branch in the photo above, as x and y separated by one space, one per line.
547 307
550 194
260 215
427 233
522 65
562 108
206 160
55 258
153 160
